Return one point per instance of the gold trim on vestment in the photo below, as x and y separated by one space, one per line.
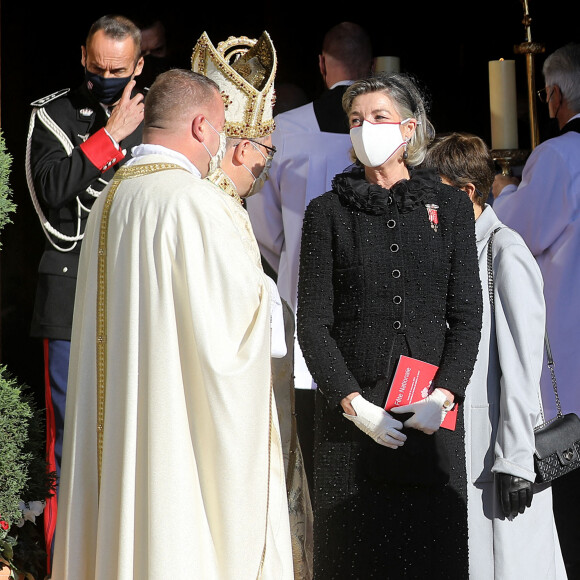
101 362
101 334
270 430
225 183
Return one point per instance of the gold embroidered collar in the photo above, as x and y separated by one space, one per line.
223 181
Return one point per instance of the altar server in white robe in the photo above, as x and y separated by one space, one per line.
172 464
543 207
512 533
313 145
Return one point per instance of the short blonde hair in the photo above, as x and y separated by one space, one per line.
174 95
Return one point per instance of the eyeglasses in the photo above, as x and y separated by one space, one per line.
270 150
543 95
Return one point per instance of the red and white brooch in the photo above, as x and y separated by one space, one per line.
432 213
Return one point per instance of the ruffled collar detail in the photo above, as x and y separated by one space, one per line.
354 191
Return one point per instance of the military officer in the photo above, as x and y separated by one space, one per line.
77 139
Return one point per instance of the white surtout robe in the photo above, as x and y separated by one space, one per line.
305 163
192 482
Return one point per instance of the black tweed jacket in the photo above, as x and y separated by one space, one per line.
383 274
379 278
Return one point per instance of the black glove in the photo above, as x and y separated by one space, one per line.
515 494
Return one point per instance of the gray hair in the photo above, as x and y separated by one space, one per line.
409 101
562 68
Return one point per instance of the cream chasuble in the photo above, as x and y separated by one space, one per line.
190 482
299 502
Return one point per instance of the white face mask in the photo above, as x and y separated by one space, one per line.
216 160
375 143
259 181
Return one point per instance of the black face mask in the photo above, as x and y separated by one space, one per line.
106 90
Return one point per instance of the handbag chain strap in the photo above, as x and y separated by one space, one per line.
552 375
490 286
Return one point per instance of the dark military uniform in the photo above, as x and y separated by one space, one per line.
69 160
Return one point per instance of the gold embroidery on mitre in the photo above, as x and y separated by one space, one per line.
244 70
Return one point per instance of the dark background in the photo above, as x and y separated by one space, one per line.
447 45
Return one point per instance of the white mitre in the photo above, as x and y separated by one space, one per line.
244 69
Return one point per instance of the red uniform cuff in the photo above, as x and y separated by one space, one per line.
101 151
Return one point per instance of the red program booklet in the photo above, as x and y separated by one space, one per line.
412 383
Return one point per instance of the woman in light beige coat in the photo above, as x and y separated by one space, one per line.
511 524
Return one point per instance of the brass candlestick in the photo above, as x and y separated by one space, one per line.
508 158
530 49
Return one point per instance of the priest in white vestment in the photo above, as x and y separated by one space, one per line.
172 463
245 69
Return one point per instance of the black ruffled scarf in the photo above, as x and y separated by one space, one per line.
356 192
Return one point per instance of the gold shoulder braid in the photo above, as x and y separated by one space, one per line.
122 173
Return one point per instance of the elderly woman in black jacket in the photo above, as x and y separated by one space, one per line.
388 267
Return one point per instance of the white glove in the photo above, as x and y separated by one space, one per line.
376 423
277 332
428 413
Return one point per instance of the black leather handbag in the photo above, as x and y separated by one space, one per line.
558 440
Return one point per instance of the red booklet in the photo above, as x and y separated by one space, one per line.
411 383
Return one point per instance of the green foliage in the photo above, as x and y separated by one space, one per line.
7 206
15 415
23 473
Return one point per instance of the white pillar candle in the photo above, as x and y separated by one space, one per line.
503 104
387 64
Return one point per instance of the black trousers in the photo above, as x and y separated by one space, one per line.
566 500
304 408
